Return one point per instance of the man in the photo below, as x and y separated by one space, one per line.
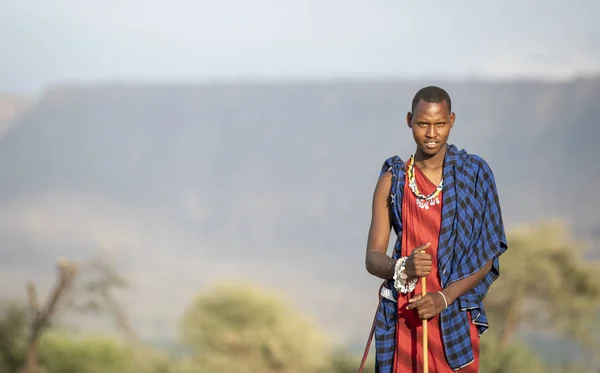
443 206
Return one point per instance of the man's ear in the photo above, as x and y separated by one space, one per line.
452 118
409 117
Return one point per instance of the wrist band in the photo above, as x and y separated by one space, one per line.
445 301
401 281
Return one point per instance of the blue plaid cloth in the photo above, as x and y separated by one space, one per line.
471 234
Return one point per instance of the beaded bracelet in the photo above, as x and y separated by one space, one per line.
401 282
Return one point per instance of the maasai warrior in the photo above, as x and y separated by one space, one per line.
443 206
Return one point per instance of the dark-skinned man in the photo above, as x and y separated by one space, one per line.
443 206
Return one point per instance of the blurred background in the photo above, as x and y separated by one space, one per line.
205 171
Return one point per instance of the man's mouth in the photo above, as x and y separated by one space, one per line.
431 144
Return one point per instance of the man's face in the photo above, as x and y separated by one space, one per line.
430 124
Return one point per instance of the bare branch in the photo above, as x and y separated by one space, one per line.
41 318
34 305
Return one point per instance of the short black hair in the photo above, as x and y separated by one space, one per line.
431 94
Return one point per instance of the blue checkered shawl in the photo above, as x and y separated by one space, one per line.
472 233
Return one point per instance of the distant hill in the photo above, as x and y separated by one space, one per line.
265 182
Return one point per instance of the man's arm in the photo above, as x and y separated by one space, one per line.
378 263
433 303
458 288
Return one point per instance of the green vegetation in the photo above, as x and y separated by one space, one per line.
234 324
547 287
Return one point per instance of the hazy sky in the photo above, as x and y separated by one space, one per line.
47 42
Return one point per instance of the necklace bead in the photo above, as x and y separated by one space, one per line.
412 184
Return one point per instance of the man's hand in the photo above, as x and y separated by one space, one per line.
418 263
428 306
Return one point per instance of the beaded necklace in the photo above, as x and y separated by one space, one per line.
422 200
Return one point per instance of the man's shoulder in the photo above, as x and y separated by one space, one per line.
474 161
394 159
478 162
393 164
476 169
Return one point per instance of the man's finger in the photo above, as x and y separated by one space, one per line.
415 298
422 256
426 311
421 248
416 304
423 269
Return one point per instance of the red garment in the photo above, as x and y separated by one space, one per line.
420 226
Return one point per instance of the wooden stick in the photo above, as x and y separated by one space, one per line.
425 338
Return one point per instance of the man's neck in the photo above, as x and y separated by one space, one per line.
431 161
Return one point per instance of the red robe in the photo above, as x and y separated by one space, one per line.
421 225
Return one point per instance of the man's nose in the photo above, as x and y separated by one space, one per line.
431 131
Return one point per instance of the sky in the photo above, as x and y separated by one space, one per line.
44 43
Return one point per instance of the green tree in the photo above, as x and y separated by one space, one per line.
546 284
13 337
516 357
60 353
240 329
519 357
